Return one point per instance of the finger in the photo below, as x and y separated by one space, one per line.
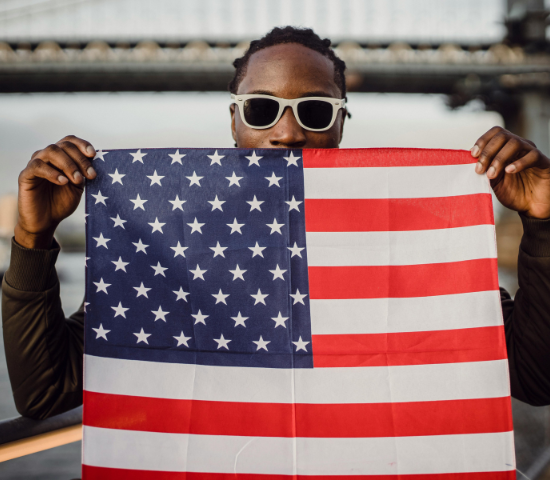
37 168
83 162
484 140
504 156
57 157
489 151
85 147
527 161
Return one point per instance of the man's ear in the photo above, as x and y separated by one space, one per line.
233 130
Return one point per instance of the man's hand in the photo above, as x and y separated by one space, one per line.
518 171
50 188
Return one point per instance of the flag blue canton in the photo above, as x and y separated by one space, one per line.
198 256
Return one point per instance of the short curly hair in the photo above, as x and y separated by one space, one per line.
280 35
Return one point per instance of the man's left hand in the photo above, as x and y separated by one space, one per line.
518 171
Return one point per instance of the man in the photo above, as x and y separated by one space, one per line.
44 349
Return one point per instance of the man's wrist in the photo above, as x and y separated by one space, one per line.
38 241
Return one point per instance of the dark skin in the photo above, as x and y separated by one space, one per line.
51 185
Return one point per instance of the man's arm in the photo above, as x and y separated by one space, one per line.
43 348
527 317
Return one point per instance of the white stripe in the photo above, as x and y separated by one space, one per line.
488 452
394 182
417 314
410 383
329 249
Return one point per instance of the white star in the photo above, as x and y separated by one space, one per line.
194 179
140 247
157 226
155 178
102 286
218 250
216 204
86 261
99 198
120 310
196 226
85 217
138 202
101 241
278 273
253 159
160 314
138 156
292 160
222 342
300 344
237 273
198 273
275 227
259 297
142 336
239 320
273 180
179 250
181 295
118 221
295 250
234 180
200 318
100 154
176 158
261 343
293 204
177 203
215 158
120 265
255 204
220 297
280 320
235 226
117 177
182 340
159 270
298 297
85 305
101 332
257 250
141 290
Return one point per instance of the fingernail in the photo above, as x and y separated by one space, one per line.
511 168
77 177
491 171
62 179
475 151
91 172
479 168
90 150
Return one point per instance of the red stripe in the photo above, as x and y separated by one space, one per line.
383 157
450 417
398 214
409 348
102 473
403 281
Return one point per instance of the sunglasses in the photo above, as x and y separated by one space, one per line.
315 114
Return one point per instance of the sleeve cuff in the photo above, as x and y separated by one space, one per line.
536 236
32 270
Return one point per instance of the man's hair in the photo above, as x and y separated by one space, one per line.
303 36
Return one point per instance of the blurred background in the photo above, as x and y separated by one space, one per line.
141 74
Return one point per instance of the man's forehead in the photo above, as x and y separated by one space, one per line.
289 71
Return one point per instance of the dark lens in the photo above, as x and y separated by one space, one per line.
260 112
315 113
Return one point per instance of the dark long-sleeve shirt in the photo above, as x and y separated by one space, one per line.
44 350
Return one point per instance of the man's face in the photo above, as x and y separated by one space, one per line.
288 71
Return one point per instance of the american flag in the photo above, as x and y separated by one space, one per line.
267 314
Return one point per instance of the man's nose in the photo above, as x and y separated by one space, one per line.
287 132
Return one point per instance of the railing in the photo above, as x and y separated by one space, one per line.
22 436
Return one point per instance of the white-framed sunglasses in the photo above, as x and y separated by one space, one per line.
316 114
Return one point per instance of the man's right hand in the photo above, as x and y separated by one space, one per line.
50 188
